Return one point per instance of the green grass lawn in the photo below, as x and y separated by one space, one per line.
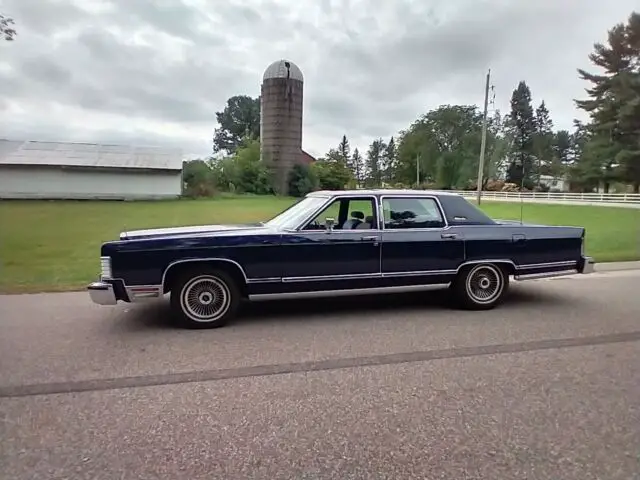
47 246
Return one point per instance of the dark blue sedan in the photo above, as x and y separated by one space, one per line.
334 243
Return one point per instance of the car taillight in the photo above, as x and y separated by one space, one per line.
105 267
584 234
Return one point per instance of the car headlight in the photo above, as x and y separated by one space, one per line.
105 267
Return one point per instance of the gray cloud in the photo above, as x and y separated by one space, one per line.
145 68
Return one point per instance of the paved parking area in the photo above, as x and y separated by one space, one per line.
547 386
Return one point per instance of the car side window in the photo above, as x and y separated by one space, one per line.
411 212
348 214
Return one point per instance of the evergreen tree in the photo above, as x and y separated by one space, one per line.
374 163
389 161
332 172
344 150
519 171
562 152
6 28
614 105
543 143
358 167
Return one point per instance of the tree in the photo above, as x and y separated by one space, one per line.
358 167
332 171
498 148
562 148
543 143
198 178
389 161
447 142
374 163
302 180
239 119
243 172
524 129
344 150
614 105
6 29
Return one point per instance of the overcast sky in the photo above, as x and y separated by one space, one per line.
154 72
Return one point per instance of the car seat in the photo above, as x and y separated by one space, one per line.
354 221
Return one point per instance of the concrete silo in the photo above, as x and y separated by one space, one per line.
281 120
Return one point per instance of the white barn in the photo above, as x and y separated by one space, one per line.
55 170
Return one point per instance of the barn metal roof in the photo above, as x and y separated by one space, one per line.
88 155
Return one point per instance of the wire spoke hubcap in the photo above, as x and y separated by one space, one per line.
484 284
205 298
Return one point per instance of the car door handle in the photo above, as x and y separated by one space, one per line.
370 238
450 236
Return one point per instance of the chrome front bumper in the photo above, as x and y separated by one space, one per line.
102 293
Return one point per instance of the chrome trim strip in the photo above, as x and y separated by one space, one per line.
346 292
263 280
547 264
364 276
418 273
209 259
322 278
143 292
415 273
536 276
490 260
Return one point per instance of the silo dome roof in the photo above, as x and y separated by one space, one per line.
279 70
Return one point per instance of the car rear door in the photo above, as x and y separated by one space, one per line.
417 244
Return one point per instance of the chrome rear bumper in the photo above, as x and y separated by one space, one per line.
102 293
588 265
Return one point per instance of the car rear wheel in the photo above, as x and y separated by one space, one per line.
480 287
204 298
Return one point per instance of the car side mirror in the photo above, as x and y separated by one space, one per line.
329 223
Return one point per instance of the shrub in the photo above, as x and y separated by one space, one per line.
331 174
302 180
198 179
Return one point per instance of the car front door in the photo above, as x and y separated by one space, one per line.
417 245
347 253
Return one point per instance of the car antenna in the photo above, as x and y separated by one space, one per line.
521 188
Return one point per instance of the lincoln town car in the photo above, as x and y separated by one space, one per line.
337 243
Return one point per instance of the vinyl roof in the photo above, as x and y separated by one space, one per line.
381 191
61 154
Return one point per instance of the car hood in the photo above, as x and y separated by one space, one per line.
190 230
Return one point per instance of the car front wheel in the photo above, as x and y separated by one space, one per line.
204 298
480 287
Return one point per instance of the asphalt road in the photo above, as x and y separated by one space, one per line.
391 387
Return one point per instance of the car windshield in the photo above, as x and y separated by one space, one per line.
296 213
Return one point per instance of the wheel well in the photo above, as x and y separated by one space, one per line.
174 271
507 267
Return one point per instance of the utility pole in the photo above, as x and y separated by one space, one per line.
418 171
483 144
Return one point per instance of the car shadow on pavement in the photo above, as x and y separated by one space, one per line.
157 314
